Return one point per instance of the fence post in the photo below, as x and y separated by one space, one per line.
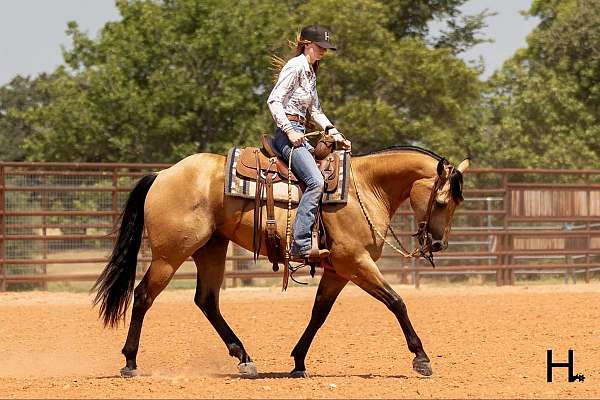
588 195
499 271
497 248
417 279
45 208
2 232
570 270
588 247
505 238
115 206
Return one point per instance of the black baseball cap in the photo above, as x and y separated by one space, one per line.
318 35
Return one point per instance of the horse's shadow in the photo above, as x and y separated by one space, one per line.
286 375
279 375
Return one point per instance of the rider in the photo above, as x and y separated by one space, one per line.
294 94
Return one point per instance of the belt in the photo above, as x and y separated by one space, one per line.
295 118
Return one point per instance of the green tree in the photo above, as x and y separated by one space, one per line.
382 90
169 79
174 77
544 104
16 97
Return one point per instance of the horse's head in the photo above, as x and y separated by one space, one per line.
434 201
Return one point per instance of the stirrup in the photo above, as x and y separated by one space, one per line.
316 255
313 256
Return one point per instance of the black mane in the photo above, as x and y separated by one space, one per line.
403 148
456 177
456 185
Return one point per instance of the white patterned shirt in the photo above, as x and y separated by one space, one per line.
294 93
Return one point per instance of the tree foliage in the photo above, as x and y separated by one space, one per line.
174 77
17 97
385 90
169 79
545 102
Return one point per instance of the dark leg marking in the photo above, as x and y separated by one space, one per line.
329 288
395 304
210 309
141 303
210 263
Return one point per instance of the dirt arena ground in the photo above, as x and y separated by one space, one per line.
483 342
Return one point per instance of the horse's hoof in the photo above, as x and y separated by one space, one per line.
128 372
248 370
422 366
299 374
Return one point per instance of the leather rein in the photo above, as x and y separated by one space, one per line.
423 234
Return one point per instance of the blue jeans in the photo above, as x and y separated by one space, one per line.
304 168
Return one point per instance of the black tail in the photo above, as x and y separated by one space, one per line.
115 283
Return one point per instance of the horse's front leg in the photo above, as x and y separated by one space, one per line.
369 278
330 286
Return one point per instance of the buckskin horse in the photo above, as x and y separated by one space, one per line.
186 213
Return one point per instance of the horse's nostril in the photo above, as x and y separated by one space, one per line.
437 245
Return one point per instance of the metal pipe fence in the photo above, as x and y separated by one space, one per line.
57 224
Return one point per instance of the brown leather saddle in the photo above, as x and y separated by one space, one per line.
263 166
253 159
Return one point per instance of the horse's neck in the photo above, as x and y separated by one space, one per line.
391 175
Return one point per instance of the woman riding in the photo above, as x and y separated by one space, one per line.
294 94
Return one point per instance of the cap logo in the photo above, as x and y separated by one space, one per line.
327 36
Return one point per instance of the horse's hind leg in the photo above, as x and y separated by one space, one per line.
157 277
210 263
330 286
369 278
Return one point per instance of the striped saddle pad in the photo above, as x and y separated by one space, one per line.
242 186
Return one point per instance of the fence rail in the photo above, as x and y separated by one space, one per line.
57 219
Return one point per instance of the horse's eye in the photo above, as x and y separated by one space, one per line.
440 204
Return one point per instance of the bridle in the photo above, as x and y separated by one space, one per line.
423 234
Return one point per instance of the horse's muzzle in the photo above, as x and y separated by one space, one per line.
439 245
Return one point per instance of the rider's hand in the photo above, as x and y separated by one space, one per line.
295 137
345 145
342 143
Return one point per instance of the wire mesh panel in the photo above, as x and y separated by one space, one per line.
58 219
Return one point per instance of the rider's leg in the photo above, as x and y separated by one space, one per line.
305 169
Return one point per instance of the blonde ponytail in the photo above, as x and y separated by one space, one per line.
298 45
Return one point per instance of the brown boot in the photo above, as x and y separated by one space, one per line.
316 255
311 257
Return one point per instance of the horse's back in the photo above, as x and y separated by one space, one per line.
183 200
191 179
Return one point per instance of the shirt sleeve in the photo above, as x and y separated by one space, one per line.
317 114
286 84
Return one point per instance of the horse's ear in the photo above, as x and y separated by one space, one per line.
463 166
440 168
